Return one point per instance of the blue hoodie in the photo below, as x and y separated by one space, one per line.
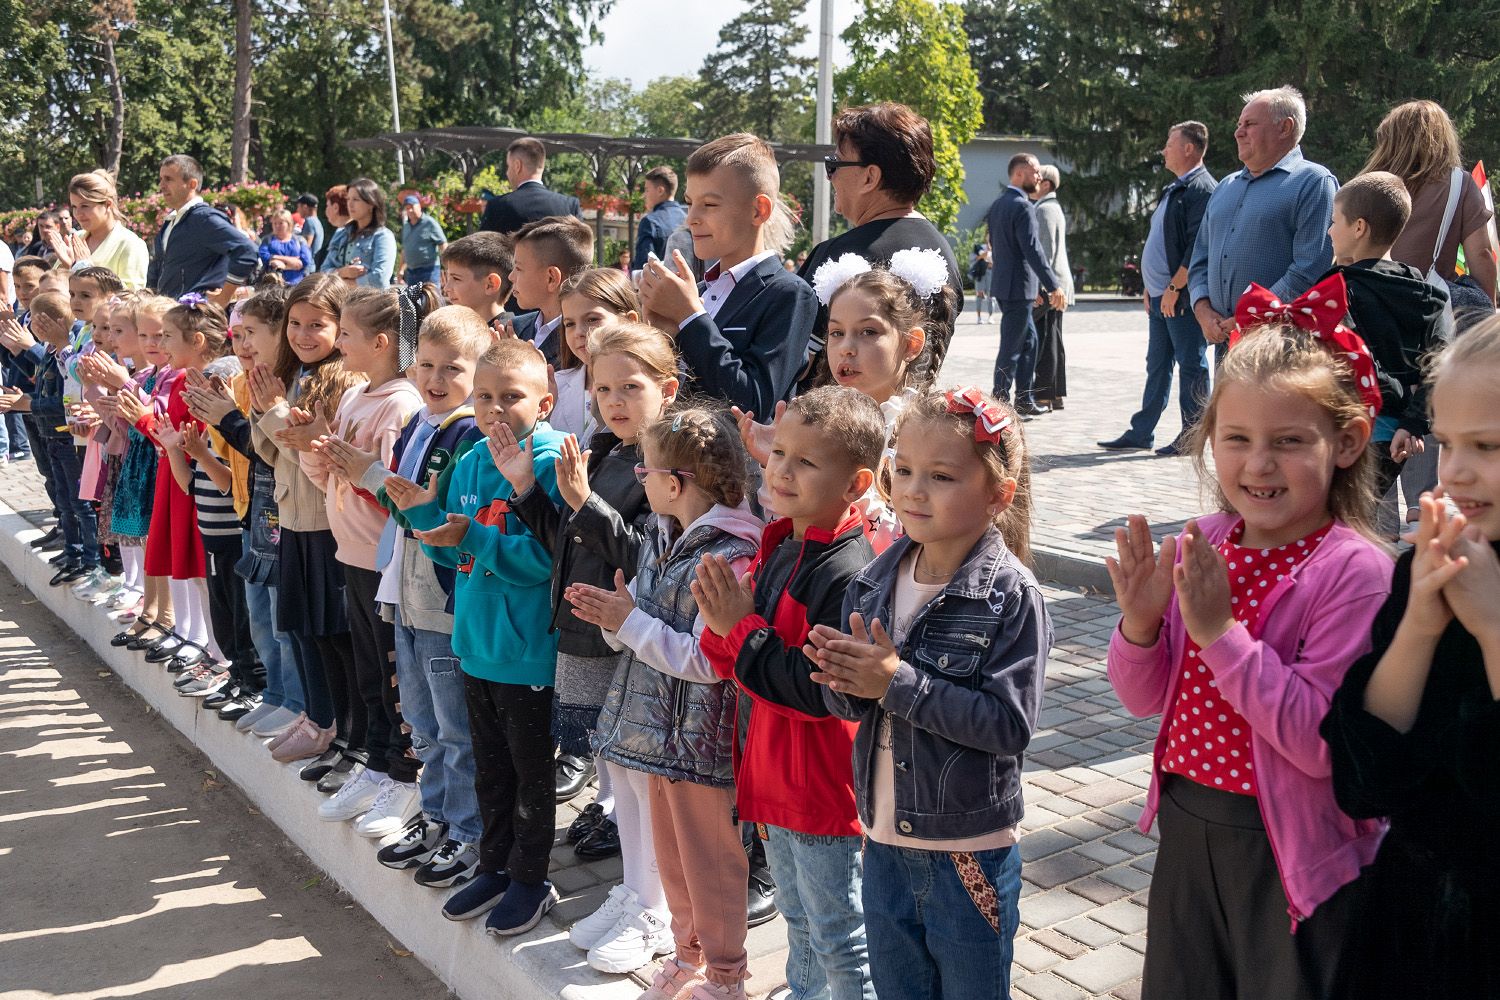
503 596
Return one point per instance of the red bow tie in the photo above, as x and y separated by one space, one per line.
715 272
1320 311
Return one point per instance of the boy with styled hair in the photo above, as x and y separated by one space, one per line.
476 274
548 252
501 610
1401 316
744 330
794 771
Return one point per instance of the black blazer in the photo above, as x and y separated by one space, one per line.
1179 227
750 354
527 203
1016 249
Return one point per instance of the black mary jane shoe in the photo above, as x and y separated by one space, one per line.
572 775
165 648
592 816
126 636
603 841
145 638
186 656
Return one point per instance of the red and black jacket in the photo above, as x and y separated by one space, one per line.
793 761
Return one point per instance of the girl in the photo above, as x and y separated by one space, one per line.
634 371
944 674
667 720
590 299
1237 633
377 338
1413 730
108 375
309 372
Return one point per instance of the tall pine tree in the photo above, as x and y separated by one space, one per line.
754 81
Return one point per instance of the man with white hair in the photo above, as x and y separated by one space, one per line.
1268 223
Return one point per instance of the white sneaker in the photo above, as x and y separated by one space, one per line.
636 938
394 806
276 722
357 795
96 582
591 929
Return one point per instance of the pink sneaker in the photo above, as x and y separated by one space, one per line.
287 732
718 991
307 741
674 981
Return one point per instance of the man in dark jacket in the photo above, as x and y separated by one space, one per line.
197 248
663 215
528 200
1176 337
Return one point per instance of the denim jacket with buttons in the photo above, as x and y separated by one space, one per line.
965 699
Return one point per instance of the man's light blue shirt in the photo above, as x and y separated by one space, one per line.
1154 270
1271 229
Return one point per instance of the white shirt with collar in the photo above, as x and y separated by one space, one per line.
176 216
545 330
716 292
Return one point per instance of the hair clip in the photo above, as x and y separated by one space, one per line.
991 423
192 300
677 423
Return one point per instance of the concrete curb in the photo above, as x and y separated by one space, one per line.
539 964
1069 569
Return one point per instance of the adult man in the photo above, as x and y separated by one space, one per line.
663 215
422 239
1175 336
528 200
1018 269
311 230
197 248
1267 223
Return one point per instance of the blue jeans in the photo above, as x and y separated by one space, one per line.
418 275
818 892
283 686
1016 361
930 936
1173 340
433 705
15 432
80 525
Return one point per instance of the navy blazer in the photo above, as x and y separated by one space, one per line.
205 251
1017 264
1184 214
527 203
749 355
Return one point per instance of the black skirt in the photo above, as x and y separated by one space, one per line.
310 599
1051 381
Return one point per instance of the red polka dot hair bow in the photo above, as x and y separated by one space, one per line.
990 420
1320 310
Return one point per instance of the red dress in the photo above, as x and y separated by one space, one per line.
174 547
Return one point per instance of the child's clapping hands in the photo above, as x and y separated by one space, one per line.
446 535
512 458
606 608
1202 582
1142 579
406 494
723 599
860 664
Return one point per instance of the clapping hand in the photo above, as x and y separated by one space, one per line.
860 664
9 397
406 494
303 428
343 459
108 407
445 535
195 442
266 390
15 337
1473 593
757 437
129 407
572 468
1405 444
1202 582
83 418
101 369
723 599
167 434
69 248
606 608
208 401
1142 579
512 458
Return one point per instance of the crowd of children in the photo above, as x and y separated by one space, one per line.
446 560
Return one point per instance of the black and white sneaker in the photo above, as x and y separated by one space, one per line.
452 865
416 845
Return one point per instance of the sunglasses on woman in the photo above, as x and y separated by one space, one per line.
831 164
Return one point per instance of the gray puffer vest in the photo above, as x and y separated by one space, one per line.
661 724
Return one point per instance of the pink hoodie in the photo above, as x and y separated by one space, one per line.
1315 624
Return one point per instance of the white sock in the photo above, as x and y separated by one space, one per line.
134 559
605 797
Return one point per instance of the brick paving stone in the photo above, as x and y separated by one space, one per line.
1082 829
1033 957
1104 794
1130 991
1044 842
1127 877
1065 946
1086 930
1131 841
1054 906
1057 869
1046 987
1097 890
1102 969
1103 853
1123 916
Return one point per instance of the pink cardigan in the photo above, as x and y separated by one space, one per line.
1315 623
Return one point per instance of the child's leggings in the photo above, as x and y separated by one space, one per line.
190 601
632 795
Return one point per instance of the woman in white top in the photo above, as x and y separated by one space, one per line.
105 240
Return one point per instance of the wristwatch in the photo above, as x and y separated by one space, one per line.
1173 288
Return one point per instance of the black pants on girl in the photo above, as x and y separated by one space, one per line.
337 655
374 646
511 725
229 616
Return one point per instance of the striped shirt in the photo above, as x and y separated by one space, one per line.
217 520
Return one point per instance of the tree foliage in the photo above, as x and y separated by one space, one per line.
916 52
754 81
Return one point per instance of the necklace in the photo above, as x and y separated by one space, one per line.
919 572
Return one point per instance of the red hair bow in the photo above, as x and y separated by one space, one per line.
1320 310
990 421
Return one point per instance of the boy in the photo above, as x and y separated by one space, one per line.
416 594
476 274
27 278
502 604
743 332
1392 306
548 252
37 352
793 771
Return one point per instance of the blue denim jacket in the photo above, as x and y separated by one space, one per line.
965 699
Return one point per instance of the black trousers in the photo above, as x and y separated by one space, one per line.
1051 381
374 644
511 725
229 616
336 652
1218 924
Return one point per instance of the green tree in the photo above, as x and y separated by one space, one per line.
754 81
1002 48
916 52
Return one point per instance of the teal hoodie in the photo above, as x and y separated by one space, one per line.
503 594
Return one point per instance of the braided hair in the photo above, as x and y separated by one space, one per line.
707 444
397 312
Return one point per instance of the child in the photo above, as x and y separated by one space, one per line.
1412 728
476 275
500 636
377 338
946 696
285 251
308 373
668 720
1237 633
590 299
416 594
598 530
793 770
744 331
26 276
1401 317
548 252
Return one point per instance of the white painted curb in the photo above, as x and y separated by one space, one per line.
474 965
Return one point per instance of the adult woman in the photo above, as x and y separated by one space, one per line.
368 252
336 207
104 241
882 168
1051 380
1417 142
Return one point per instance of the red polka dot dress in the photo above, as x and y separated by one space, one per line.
1207 740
